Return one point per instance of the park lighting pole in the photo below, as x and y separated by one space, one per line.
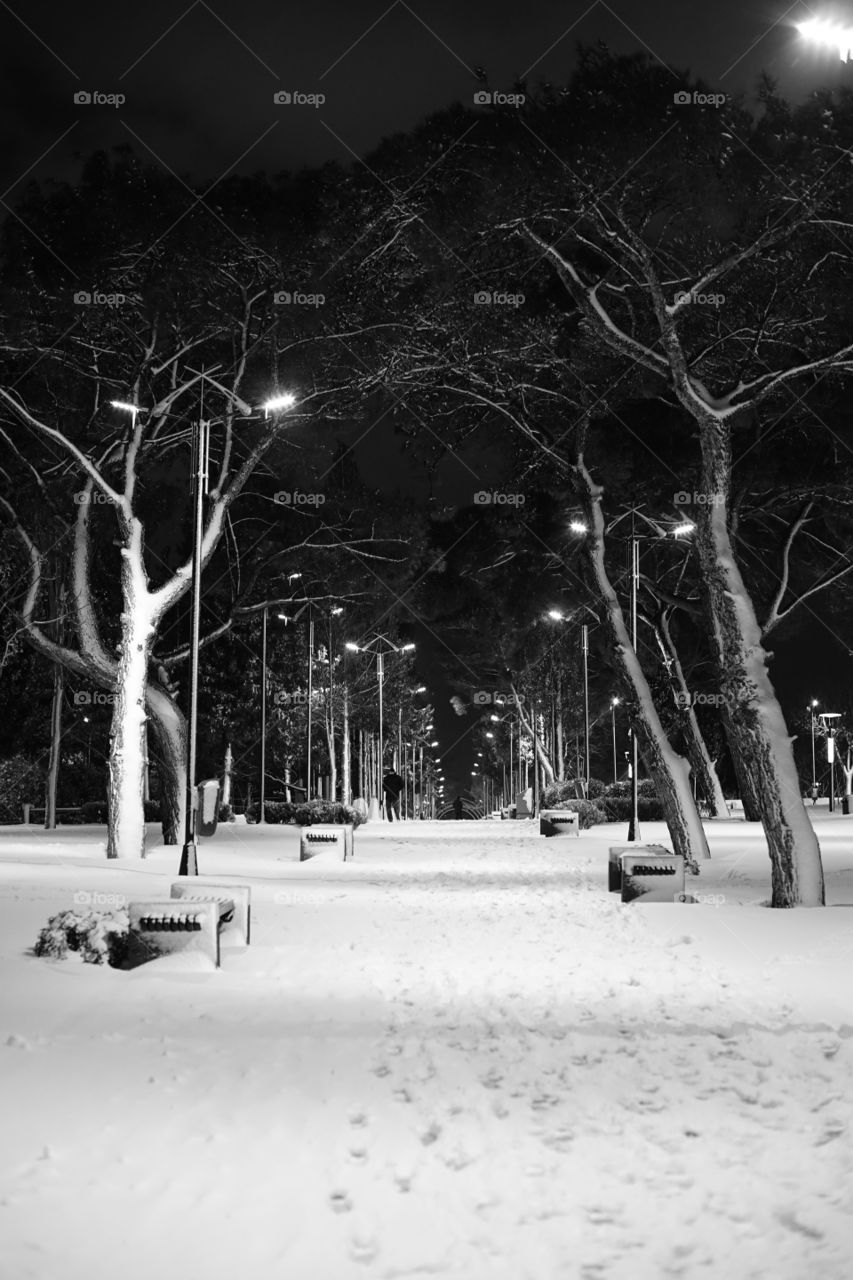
374 645
830 753
614 703
814 703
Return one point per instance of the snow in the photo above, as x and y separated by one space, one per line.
456 1055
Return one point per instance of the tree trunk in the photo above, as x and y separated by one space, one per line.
55 747
759 738
701 763
531 729
226 777
670 771
126 817
168 727
346 762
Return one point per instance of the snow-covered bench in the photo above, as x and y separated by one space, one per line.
337 836
614 865
559 822
194 918
652 877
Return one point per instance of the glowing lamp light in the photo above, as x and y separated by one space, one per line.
829 33
556 615
127 408
681 529
577 526
353 648
285 401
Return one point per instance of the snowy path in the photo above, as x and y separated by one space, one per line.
457 1056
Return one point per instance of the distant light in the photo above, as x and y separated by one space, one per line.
407 647
614 702
420 689
556 615
285 617
339 609
285 401
830 33
578 526
354 648
291 576
814 703
829 715
433 744
490 735
128 408
681 529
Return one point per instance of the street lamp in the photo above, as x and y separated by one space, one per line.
830 753
814 703
370 647
614 703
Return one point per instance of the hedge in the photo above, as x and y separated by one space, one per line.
305 813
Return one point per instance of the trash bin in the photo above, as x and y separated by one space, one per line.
207 807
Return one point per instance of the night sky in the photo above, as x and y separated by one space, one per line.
199 79
199 84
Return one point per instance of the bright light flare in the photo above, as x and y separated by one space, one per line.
128 408
578 526
833 34
681 530
285 401
353 648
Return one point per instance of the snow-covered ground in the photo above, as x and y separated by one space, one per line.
457 1056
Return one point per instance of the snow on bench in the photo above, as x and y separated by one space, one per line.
331 835
652 877
194 918
559 822
614 865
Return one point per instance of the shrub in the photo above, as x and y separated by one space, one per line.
305 813
596 788
98 936
557 794
589 812
21 782
94 811
226 813
619 808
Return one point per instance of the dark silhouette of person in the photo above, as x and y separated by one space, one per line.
392 785
457 808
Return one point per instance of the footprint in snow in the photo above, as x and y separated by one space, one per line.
340 1202
363 1247
431 1134
357 1118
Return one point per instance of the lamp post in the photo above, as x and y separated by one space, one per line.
814 703
375 645
830 753
614 703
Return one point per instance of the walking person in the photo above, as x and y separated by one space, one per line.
392 785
